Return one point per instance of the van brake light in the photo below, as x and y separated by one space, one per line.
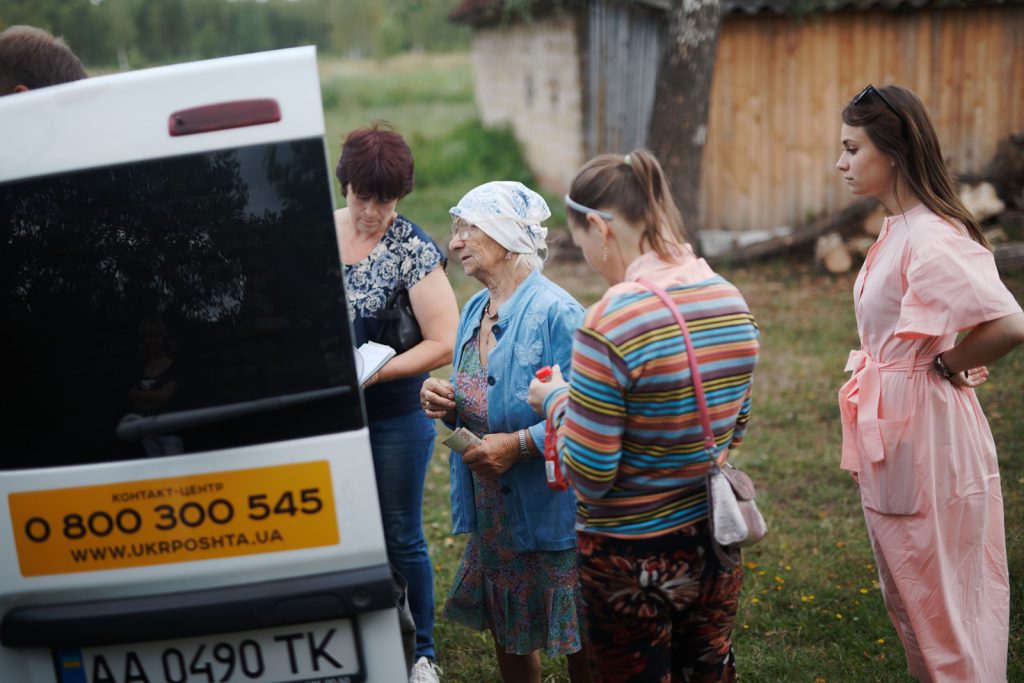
223 115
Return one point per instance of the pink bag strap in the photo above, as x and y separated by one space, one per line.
698 384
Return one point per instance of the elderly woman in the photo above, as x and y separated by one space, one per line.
518 574
383 251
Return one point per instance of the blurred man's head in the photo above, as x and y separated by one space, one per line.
32 58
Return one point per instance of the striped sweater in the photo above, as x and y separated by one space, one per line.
629 430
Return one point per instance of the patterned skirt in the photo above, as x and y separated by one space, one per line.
528 600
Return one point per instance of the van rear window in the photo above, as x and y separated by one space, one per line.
172 285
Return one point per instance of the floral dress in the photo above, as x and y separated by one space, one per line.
527 600
405 255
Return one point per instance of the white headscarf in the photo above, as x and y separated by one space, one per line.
509 213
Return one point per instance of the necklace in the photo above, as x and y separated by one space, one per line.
487 312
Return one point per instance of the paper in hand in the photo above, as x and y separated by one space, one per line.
371 357
461 439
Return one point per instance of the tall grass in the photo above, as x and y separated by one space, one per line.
811 609
429 100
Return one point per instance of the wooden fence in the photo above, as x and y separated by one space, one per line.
780 85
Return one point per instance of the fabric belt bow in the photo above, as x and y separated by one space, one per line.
858 405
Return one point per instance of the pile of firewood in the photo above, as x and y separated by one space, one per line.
837 250
841 240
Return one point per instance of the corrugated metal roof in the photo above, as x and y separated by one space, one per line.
798 7
471 11
813 6
491 11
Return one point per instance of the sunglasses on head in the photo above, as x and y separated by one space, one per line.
872 90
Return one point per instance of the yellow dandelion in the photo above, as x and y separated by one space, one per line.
839 615
779 579
880 641
755 601
863 591
751 565
762 573
789 568
746 626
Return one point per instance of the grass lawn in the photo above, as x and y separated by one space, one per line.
810 609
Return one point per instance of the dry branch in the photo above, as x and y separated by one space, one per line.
846 222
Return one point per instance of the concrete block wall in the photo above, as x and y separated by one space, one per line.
528 76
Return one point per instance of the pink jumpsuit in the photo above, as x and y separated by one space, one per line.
926 460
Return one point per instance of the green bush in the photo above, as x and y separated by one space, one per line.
471 153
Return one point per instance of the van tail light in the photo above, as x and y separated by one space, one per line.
223 115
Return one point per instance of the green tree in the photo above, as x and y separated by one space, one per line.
135 33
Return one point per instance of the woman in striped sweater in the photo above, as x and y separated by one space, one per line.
660 604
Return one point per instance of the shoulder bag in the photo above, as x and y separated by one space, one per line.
733 516
398 326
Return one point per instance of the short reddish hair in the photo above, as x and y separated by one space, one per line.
376 162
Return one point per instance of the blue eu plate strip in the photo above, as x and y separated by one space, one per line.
70 666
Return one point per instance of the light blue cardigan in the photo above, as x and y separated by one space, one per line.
535 328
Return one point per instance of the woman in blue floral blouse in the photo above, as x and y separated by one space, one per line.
518 576
383 251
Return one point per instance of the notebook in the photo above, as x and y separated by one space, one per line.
371 357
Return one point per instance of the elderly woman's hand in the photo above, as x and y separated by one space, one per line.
438 399
539 391
494 456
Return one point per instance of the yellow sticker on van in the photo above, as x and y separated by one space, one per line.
174 519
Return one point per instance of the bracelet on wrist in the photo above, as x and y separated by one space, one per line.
940 367
524 449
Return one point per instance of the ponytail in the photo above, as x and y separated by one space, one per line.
634 187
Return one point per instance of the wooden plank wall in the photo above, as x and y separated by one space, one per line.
780 85
622 52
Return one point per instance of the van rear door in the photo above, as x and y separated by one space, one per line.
186 486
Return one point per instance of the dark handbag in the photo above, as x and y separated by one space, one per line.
398 327
733 516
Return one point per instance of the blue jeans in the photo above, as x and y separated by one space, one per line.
402 448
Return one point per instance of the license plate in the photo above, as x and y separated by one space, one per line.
321 652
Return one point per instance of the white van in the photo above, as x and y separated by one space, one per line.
186 488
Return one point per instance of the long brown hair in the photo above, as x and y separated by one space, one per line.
899 126
634 187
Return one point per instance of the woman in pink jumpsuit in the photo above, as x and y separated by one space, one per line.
914 435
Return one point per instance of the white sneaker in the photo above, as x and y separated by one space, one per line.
425 671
